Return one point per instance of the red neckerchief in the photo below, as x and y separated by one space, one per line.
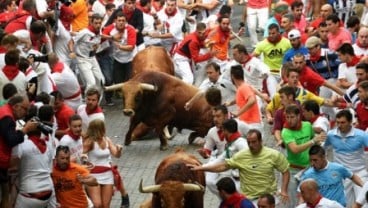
221 135
245 62
144 9
233 200
92 29
10 71
171 14
128 13
224 35
278 18
353 61
103 2
298 126
313 205
73 136
360 45
40 143
278 39
37 43
58 67
3 50
233 137
314 118
28 70
96 110
316 57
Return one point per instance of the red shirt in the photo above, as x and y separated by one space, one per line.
63 115
362 116
190 47
310 80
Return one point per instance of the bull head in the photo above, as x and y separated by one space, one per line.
134 93
156 188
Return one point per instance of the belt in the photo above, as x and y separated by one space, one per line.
297 166
275 71
43 195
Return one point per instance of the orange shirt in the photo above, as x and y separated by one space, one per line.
80 11
69 191
252 115
221 43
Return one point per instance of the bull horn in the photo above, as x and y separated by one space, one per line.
148 189
114 87
145 86
193 187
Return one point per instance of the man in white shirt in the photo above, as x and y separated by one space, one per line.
169 23
86 43
361 45
66 81
91 110
312 197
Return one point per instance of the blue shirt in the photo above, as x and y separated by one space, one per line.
348 149
289 54
330 180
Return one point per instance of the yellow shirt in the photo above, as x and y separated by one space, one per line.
302 95
257 171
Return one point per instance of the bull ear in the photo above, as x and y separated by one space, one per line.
148 189
193 187
145 86
114 87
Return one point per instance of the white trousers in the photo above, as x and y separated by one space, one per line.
254 16
22 202
183 68
272 82
91 72
351 189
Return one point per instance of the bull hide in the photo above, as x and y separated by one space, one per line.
173 178
152 58
157 99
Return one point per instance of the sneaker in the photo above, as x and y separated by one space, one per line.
125 201
110 103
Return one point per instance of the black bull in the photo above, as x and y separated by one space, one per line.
158 100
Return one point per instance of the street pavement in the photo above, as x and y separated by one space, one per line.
140 159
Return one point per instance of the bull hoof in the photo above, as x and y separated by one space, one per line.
127 143
164 147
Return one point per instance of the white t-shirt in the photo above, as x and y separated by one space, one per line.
88 118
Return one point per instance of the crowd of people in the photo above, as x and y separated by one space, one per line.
307 78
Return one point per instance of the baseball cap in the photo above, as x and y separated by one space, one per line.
294 33
312 42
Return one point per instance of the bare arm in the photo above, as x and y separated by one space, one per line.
284 186
295 148
115 150
88 180
357 180
334 88
197 96
217 167
251 101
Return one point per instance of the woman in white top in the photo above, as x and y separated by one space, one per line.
99 150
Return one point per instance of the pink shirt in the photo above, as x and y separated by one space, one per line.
301 24
336 40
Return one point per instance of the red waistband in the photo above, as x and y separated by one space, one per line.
79 92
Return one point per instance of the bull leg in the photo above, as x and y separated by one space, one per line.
192 137
163 139
133 124
140 131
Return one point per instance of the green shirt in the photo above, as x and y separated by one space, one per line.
301 136
257 171
273 54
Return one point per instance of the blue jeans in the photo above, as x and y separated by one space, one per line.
106 64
